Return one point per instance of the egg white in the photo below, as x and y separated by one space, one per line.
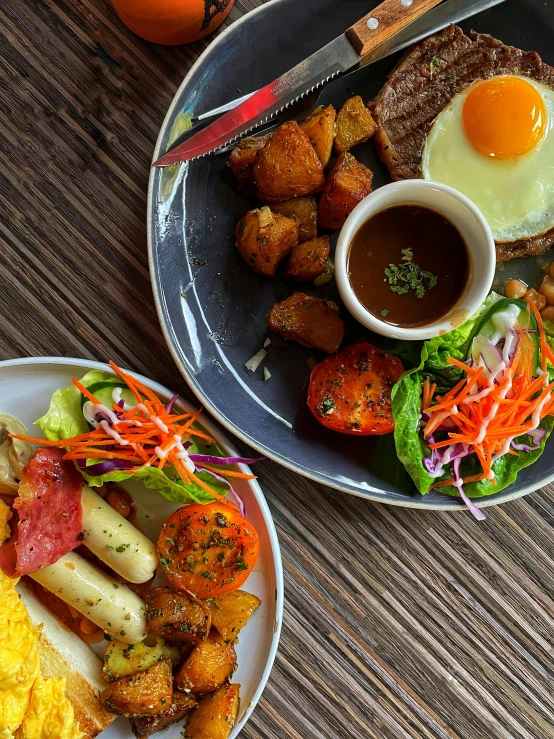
516 196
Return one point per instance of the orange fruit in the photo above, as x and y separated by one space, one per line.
172 22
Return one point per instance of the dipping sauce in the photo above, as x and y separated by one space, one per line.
408 265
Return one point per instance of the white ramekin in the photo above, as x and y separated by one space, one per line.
462 213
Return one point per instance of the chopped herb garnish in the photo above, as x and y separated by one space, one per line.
164 562
407 254
409 276
434 64
240 563
326 407
122 548
384 312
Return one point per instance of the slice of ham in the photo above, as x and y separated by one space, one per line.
49 517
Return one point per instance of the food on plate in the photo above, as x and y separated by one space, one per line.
117 429
230 612
215 715
478 408
177 616
145 693
210 664
83 553
303 210
308 260
14 454
312 322
5 517
129 552
319 127
533 296
504 169
419 113
97 595
122 660
49 499
355 124
350 392
208 550
145 726
408 265
287 166
348 182
242 160
264 238
49 678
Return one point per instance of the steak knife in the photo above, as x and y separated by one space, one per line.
352 48
447 13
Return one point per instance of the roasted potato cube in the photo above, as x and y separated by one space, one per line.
355 124
288 166
121 660
209 665
319 127
242 161
145 694
215 715
176 616
264 238
144 726
308 260
312 322
304 210
230 612
347 183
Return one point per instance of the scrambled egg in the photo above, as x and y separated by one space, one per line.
5 517
31 707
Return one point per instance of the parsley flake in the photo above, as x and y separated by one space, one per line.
409 276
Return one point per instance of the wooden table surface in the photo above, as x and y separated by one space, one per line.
398 623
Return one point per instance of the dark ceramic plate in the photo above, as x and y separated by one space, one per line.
213 308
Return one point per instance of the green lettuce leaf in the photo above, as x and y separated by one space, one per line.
406 403
65 419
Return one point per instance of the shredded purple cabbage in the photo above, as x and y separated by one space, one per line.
239 500
458 483
170 405
537 435
209 459
472 508
121 403
103 468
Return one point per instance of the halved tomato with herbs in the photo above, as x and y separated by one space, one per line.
208 549
350 392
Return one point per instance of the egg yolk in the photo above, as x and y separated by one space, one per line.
504 117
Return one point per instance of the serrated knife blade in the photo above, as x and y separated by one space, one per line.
338 56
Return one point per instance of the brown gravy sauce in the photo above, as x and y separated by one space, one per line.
400 235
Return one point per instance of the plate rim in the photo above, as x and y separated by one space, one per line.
254 484
451 505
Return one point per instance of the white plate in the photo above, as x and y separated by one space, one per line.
25 389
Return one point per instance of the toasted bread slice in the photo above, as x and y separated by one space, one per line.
64 654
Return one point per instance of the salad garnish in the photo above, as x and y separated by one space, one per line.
485 395
127 438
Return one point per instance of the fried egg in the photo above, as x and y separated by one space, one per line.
494 143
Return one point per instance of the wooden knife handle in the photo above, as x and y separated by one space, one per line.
385 21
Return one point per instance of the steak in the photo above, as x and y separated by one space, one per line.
420 86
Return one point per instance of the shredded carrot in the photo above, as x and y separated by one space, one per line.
146 436
228 473
82 389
